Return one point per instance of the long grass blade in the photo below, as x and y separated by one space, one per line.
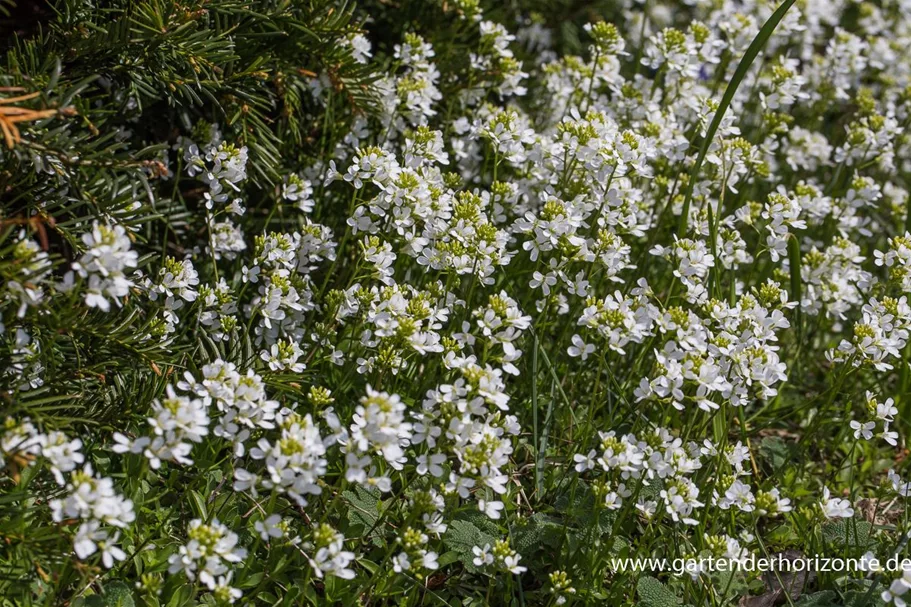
740 73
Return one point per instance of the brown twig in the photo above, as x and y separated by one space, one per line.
36 223
10 115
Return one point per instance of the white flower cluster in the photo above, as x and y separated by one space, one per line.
93 500
208 556
222 167
240 398
177 422
658 455
730 352
87 497
107 258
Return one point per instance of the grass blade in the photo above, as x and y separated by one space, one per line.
796 293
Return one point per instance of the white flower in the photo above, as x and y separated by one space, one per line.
430 463
400 562
580 348
63 454
491 509
379 424
834 507
107 257
890 436
211 550
270 527
329 556
511 564
898 485
864 430
585 462
429 560
92 497
84 542
738 495
90 538
482 556
224 592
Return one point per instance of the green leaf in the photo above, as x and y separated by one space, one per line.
118 594
479 520
848 533
862 598
908 218
578 504
730 583
826 598
447 558
653 593
251 581
290 597
776 451
198 504
538 532
461 537
714 271
369 565
182 596
363 513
